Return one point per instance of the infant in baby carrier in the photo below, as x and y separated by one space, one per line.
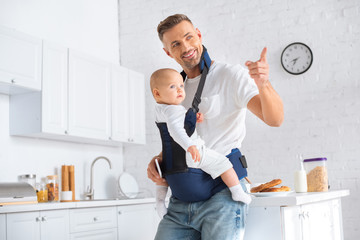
168 90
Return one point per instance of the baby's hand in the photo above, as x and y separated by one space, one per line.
194 153
199 117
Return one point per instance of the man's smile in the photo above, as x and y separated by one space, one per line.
189 54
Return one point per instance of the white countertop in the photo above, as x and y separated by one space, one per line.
291 199
70 205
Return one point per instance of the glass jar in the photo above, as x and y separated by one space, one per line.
29 178
41 192
316 174
52 185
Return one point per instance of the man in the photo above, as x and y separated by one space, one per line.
229 90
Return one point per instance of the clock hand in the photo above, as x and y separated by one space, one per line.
294 60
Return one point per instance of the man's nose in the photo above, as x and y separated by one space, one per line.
186 46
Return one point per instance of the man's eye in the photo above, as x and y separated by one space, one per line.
175 45
189 37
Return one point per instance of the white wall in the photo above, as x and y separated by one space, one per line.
89 26
322 106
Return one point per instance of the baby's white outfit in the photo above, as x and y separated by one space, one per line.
211 162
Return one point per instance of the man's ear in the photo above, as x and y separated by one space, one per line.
167 52
198 33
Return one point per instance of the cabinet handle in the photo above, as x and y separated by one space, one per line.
13 80
96 219
120 212
66 132
43 219
110 138
38 219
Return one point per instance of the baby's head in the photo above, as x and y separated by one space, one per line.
167 86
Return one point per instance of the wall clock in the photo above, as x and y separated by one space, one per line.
296 58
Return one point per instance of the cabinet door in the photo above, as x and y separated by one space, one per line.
20 59
292 223
89 96
322 221
23 226
137 107
55 225
54 85
2 227
120 104
136 222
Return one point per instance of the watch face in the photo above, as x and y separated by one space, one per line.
296 58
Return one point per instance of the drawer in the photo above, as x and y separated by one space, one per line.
87 219
105 234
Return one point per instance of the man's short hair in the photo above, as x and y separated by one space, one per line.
170 22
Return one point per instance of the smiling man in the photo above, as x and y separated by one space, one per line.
228 92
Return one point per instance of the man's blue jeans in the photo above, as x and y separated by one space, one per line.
218 218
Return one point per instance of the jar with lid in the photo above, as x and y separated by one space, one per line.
316 174
29 178
52 185
41 192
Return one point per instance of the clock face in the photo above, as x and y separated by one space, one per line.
296 58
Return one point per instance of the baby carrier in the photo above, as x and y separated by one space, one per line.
193 184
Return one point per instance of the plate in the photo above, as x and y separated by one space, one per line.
128 185
271 194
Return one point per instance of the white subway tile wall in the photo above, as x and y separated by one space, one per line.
322 106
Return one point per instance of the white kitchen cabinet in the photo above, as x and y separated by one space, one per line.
137 107
45 113
314 221
137 222
93 223
29 223
128 106
83 100
89 97
120 104
41 225
20 62
2 227
54 102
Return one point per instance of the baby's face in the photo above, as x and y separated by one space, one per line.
171 89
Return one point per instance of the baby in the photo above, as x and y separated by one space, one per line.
167 88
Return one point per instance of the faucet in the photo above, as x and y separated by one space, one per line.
90 193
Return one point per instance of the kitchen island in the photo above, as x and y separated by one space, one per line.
294 216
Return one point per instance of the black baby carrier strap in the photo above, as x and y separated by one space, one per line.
193 184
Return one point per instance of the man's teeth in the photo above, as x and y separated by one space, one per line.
188 55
